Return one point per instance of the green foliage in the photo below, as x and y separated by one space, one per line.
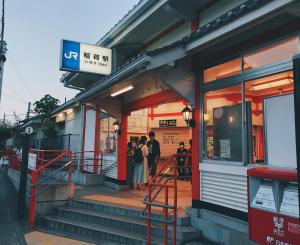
43 108
5 131
45 105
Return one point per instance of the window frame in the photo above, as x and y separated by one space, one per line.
102 116
240 79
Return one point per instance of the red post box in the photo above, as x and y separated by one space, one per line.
273 206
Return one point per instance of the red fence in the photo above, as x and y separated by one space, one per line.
57 160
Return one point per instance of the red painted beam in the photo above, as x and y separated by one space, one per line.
170 114
150 101
196 144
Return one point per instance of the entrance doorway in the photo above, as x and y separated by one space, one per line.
170 129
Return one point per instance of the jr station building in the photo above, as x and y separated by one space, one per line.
231 64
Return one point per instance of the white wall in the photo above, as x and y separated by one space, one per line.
73 122
89 138
172 37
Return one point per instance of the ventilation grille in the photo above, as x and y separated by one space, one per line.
227 190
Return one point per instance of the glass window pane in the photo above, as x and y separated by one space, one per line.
112 146
224 70
271 54
107 142
255 92
223 125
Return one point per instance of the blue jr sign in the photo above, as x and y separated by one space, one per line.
81 57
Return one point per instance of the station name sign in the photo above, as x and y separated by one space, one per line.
167 123
81 57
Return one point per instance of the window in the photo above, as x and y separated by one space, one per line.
223 125
107 142
271 54
255 93
224 70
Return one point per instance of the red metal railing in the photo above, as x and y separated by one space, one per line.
14 162
51 159
165 179
88 159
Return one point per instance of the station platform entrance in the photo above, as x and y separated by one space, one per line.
132 198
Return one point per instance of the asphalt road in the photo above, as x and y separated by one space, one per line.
11 231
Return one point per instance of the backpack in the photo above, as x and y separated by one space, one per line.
138 155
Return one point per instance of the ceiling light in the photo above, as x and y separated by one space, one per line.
121 91
272 84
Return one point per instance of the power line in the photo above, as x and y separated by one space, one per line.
14 91
20 75
13 98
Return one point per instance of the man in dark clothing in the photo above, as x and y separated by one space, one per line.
181 157
154 153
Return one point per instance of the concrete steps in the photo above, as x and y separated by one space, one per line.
111 223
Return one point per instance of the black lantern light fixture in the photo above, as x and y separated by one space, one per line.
187 116
116 125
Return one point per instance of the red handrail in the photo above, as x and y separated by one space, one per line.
96 164
166 205
35 173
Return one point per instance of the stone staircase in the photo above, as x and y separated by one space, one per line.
103 223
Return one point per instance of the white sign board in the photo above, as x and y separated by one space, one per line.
81 57
32 161
225 148
264 198
290 202
279 120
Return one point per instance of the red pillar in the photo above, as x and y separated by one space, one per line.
96 142
196 145
122 146
83 137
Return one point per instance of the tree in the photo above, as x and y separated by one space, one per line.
43 108
5 132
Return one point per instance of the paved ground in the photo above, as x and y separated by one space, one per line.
11 232
41 238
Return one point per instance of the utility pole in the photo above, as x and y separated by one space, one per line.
2 48
28 110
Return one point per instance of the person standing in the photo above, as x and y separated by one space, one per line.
154 153
188 162
141 172
181 158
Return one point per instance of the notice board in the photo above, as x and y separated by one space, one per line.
279 130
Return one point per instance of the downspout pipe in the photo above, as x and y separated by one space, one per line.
296 71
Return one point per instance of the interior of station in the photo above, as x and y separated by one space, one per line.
170 129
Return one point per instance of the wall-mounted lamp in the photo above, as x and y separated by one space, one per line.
187 116
116 125
206 117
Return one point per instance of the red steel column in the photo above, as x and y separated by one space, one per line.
83 138
122 145
96 141
196 144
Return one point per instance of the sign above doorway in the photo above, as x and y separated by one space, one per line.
167 123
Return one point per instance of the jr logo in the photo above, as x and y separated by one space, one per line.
71 55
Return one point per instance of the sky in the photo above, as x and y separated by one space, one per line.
33 30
